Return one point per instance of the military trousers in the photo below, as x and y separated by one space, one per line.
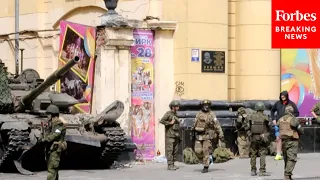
261 148
172 145
204 149
53 165
243 144
290 150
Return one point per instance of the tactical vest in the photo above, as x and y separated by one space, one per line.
59 145
285 128
202 122
257 124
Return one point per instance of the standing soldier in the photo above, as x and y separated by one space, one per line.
242 139
260 128
315 111
54 141
171 123
206 127
290 129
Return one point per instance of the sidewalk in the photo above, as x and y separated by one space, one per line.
308 167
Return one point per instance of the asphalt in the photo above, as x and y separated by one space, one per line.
237 169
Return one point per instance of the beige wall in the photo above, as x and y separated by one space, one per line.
41 54
242 29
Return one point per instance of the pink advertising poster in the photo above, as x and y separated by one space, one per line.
77 40
142 78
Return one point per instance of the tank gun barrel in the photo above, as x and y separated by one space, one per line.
53 78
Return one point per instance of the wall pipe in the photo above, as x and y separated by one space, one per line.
16 41
21 60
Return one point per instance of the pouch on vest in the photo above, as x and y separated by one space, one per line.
201 124
285 128
257 125
198 147
175 127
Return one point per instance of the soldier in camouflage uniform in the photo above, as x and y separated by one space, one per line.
290 130
207 128
260 128
315 111
242 139
54 141
171 123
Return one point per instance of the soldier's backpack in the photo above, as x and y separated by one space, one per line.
190 157
221 155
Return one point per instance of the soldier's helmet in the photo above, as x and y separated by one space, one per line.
205 102
174 103
241 110
259 106
52 109
289 109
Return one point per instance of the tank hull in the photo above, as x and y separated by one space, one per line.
88 148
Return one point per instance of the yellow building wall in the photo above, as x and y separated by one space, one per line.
40 54
240 28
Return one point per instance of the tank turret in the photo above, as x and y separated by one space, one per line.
27 100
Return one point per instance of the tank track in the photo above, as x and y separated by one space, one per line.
114 145
17 139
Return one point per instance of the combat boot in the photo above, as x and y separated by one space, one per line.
176 167
263 174
287 178
205 170
253 173
244 157
171 168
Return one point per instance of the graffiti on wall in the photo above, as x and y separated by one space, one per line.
142 87
179 89
300 76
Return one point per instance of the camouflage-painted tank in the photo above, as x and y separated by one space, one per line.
93 141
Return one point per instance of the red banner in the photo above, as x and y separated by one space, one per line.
295 24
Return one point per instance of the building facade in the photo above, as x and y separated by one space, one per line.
239 28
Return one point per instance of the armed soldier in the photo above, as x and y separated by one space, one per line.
207 128
242 139
54 141
260 129
315 111
171 123
290 130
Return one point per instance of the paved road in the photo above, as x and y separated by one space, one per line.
238 169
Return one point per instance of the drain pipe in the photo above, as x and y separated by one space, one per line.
16 41
21 60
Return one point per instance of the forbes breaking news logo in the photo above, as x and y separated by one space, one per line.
295 32
294 27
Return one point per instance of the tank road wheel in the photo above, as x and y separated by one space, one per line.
114 146
16 141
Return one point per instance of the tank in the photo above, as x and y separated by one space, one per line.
93 141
